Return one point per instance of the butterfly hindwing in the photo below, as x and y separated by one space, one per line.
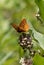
14 26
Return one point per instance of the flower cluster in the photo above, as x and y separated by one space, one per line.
26 61
25 41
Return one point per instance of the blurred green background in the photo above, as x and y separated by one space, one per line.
14 11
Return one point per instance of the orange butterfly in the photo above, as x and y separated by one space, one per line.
23 26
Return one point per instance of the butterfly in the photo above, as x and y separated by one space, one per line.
22 27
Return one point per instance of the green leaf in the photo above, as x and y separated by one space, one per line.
40 4
38 60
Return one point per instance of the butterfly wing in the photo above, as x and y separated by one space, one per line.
24 26
14 26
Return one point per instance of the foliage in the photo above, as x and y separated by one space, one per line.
15 11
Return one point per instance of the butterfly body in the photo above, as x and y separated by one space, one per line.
23 27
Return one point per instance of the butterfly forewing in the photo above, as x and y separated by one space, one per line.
24 26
